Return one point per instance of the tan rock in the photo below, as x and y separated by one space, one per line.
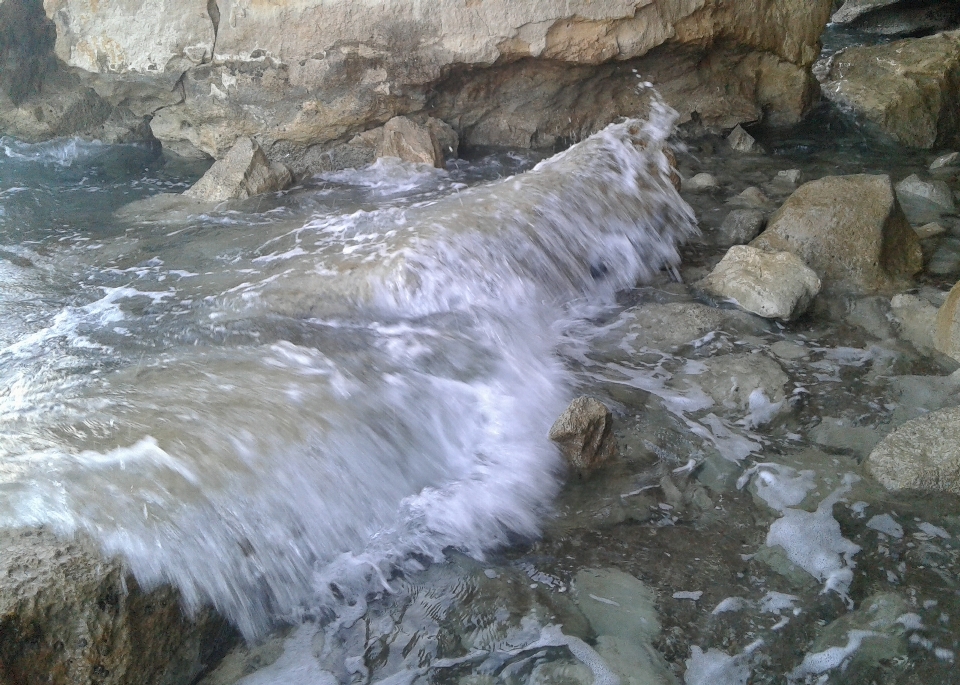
412 143
584 432
946 337
741 141
775 285
922 454
907 89
244 172
916 319
850 230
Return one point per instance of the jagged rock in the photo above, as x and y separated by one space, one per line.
741 226
243 173
791 176
922 454
853 9
69 616
741 141
774 285
701 182
916 319
899 17
907 89
304 77
412 143
946 336
850 230
949 159
584 432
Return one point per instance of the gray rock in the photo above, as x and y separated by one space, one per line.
922 454
916 319
949 159
730 379
841 434
69 616
749 197
774 285
791 176
946 337
853 9
701 182
945 260
849 230
659 326
741 141
741 226
788 350
584 432
935 192
930 230
243 173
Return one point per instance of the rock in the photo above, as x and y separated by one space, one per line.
899 17
935 192
946 337
947 160
69 616
749 197
849 230
907 89
774 285
922 454
842 435
791 176
916 319
412 143
731 379
701 182
243 173
304 77
660 327
788 350
584 432
741 141
945 261
741 226
930 230
853 9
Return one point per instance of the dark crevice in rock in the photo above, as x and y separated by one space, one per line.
26 48
213 11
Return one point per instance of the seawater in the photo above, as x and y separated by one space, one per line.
276 404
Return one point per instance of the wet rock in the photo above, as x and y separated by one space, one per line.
791 176
774 285
69 616
906 89
844 436
853 9
930 230
922 454
789 351
916 319
732 379
741 141
850 230
243 173
584 432
401 137
701 182
659 326
749 197
741 226
935 192
946 337
899 17
950 159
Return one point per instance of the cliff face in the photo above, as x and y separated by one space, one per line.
303 75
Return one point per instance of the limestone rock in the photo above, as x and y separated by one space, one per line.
946 336
899 17
403 138
916 319
922 454
774 285
850 230
701 182
584 432
741 141
907 89
853 9
243 173
741 226
68 616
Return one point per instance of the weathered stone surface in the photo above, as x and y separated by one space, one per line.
730 379
749 197
412 143
244 172
930 230
701 182
774 285
69 616
303 73
949 159
850 230
922 454
584 432
899 17
741 141
946 337
916 319
935 192
908 89
741 226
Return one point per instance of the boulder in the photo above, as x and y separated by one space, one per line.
402 138
741 226
701 182
69 616
922 454
916 319
936 193
741 141
731 379
304 76
850 230
660 326
243 173
584 432
909 90
946 337
774 285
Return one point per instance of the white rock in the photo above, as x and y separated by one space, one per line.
244 172
789 176
935 192
775 285
701 182
741 141
947 160
916 319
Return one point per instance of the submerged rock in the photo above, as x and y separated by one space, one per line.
946 337
775 285
935 192
732 380
243 173
907 89
69 616
659 326
741 226
922 454
741 141
584 432
701 182
850 230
